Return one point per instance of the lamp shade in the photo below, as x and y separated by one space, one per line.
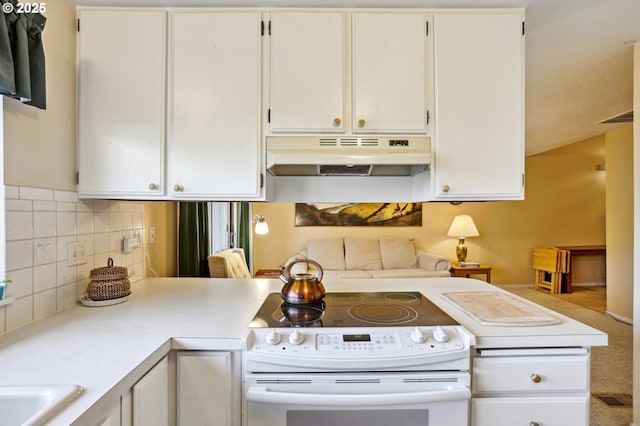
261 225
463 227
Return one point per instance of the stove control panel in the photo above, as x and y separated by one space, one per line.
361 343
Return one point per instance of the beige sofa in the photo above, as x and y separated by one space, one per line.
371 258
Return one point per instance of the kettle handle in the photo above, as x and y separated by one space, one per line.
286 274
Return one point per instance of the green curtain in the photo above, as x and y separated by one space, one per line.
193 239
244 228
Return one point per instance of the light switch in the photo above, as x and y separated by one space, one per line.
77 253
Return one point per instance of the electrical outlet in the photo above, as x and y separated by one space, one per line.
77 253
152 235
128 244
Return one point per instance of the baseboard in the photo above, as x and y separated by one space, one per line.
531 285
588 284
581 284
619 318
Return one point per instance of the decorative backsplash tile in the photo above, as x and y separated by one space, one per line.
40 225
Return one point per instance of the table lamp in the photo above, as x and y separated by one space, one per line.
462 227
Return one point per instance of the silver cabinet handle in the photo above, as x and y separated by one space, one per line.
178 188
532 423
153 186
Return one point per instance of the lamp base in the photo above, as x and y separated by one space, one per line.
461 250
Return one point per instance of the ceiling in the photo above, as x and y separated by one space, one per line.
579 57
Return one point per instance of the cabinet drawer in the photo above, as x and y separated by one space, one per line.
564 411
531 374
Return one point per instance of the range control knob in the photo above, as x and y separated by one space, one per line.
273 338
418 336
296 337
439 335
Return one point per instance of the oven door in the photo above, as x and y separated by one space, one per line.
367 399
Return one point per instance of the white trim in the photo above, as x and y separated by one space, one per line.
619 317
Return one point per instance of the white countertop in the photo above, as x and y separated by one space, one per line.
107 349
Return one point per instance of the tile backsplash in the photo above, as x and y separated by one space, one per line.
40 225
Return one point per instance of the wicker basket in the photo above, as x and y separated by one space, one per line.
110 282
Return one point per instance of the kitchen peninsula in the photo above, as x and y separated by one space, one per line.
107 350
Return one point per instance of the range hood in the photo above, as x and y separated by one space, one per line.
347 156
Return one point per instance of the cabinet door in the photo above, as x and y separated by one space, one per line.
307 70
121 85
151 397
548 411
208 388
213 96
389 72
479 101
120 414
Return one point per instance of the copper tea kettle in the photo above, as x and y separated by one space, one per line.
302 289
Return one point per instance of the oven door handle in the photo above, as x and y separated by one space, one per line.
262 394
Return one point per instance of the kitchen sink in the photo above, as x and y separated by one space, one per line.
34 405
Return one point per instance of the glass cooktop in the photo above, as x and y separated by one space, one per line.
371 309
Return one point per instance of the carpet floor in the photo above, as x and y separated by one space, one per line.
611 366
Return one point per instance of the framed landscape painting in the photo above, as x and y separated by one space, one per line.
358 214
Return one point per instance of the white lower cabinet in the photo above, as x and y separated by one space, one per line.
152 397
535 387
528 411
120 414
208 388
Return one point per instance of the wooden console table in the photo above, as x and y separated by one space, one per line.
268 273
464 271
580 251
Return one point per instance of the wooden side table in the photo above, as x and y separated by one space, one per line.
267 273
465 271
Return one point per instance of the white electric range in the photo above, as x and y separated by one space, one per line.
373 358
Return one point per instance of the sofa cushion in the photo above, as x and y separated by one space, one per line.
397 253
328 252
362 253
408 273
347 274
300 267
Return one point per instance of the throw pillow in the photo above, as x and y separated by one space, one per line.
397 253
362 253
328 252
298 268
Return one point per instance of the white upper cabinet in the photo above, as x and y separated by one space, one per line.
121 102
307 71
349 72
214 73
390 75
479 106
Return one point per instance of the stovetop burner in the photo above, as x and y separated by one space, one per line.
369 309
383 313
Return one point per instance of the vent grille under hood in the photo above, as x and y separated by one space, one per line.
348 156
